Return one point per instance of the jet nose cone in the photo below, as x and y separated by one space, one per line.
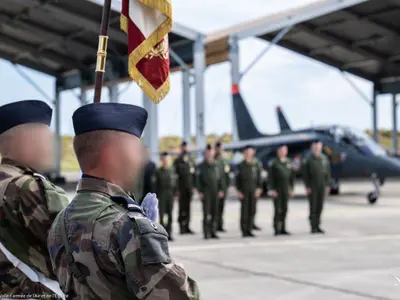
390 166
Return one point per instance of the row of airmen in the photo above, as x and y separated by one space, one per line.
211 178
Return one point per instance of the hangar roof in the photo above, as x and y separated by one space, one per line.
360 37
60 38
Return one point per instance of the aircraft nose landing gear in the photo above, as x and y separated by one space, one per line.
373 196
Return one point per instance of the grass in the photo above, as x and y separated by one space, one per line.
69 162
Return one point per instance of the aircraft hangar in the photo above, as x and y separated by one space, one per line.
59 38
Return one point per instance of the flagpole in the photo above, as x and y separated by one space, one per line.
102 51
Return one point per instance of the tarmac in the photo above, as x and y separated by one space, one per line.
356 259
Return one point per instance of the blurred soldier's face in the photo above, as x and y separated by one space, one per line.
249 154
31 144
283 152
184 149
129 158
219 150
316 148
209 155
164 160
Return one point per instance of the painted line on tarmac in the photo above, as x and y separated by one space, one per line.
288 279
281 243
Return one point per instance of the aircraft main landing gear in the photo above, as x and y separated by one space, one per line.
373 196
334 187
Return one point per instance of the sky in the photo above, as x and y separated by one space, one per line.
310 93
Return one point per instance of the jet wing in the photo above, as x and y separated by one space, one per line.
273 141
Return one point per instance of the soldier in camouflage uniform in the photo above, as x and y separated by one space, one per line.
165 189
102 246
317 179
209 186
185 171
224 170
280 183
28 201
248 185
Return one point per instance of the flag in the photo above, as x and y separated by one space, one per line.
147 24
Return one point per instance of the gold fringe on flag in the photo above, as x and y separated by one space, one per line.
164 6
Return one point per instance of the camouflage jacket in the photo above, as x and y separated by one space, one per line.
121 253
27 210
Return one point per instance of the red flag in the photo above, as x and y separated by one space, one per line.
147 24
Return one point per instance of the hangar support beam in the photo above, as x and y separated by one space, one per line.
199 68
57 124
235 75
186 107
394 119
151 130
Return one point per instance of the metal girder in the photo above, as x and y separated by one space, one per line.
326 60
72 46
352 16
30 64
77 20
24 47
338 41
359 43
293 17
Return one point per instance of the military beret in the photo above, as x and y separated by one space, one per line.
218 145
164 154
316 141
208 147
110 116
184 144
24 112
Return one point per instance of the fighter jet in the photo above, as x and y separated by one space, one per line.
352 153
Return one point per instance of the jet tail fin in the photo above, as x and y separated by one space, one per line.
283 123
245 125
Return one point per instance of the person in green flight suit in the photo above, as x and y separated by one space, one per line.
280 183
209 186
138 190
317 179
224 170
185 171
165 190
259 167
248 181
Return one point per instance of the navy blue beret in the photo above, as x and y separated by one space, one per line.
184 144
24 112
110 116
208 147
164 154
218 145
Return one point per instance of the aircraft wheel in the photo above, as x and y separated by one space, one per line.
334 191
372 198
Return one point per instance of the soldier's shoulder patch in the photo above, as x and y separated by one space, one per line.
153 240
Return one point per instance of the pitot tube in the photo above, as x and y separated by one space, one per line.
150 206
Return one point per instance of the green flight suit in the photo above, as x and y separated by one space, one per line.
281 179
165 189
317 176
185 171
224 170
259 167
138 189
248 179
209 184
